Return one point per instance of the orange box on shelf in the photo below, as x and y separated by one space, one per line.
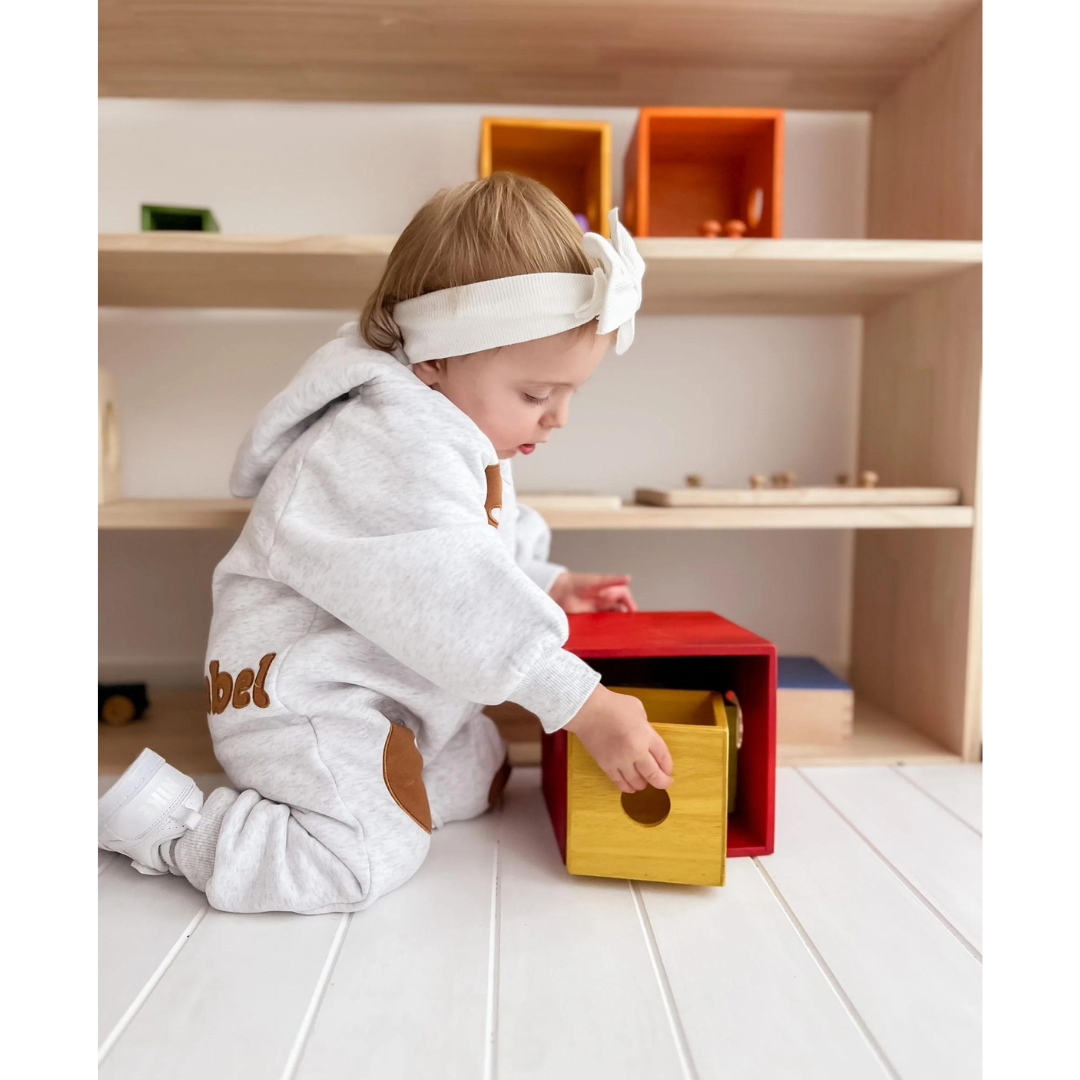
572 157
685 168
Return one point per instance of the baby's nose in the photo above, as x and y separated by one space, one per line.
556 418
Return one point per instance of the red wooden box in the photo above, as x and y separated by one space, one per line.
685 650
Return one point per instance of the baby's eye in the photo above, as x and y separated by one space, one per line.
533 400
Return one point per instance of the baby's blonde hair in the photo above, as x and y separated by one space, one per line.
501 226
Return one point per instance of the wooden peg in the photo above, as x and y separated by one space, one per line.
710 228
783 479
757 481
841 479
695 480
734 228
868 479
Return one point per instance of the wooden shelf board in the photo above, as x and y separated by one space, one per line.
231 514
683 276
809 54
174 514
878 739
175 726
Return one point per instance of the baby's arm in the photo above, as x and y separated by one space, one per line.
408 559
532 546
573 592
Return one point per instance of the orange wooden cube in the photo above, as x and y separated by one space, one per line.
571 157
686 167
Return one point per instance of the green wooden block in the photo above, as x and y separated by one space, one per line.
178 218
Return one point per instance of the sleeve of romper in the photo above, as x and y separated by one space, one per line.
532 545
386 528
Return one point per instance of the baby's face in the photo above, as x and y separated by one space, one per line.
518 394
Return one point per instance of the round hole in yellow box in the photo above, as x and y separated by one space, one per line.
649 807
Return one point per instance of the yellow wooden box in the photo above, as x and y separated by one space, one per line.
677 835
571 157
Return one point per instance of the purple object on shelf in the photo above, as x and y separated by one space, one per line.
583 221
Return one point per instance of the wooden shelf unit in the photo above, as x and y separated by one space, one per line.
797 54
916 614
685 275
232 513
175 726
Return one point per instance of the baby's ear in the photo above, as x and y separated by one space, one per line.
428 371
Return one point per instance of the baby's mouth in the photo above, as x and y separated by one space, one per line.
527 448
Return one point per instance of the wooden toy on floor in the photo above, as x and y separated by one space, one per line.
734 229
720 803
710 228
677 835
120 703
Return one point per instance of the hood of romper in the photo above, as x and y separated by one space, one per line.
332 373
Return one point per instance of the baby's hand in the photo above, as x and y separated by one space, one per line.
614 729
576 593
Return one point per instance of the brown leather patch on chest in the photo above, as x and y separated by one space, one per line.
494 492
402 773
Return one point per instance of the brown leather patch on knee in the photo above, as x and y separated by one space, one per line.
402 768
498 785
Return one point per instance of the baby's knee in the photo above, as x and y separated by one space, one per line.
397 835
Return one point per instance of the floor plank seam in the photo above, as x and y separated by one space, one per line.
915 891
491 1026
682 1045
830 976
292 1062
933 798
159 973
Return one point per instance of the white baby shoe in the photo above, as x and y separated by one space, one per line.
151 804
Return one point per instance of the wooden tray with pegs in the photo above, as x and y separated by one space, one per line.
784 493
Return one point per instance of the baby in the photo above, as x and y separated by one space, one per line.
387 586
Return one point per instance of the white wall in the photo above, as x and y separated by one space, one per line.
723 396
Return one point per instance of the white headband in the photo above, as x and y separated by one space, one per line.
505 311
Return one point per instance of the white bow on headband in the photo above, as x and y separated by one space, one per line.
505 311
617 287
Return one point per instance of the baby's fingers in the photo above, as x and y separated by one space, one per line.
661 754
650 769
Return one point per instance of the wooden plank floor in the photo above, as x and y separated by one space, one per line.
852 952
